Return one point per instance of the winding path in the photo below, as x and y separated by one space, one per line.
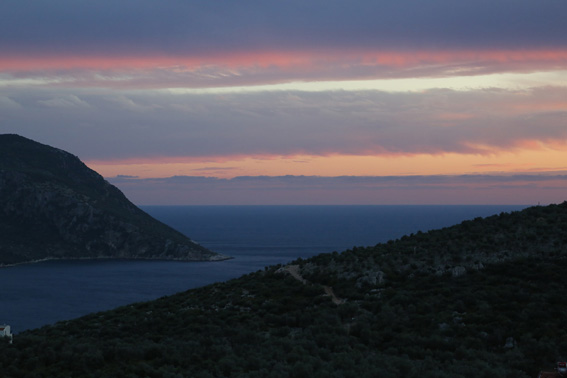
294 271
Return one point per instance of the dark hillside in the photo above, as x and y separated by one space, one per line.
53 206
537 232
481 299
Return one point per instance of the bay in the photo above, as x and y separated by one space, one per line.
33 295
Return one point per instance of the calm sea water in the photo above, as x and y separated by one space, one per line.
34 295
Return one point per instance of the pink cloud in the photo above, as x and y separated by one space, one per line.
262 67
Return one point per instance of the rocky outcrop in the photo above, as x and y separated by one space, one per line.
53 206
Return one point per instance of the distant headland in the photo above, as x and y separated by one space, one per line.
52 206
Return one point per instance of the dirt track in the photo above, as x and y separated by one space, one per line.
294 271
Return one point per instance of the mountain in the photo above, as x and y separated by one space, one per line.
481 299
54 206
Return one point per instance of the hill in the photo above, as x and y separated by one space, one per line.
484 298
53 206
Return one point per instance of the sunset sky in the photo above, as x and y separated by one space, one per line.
296 102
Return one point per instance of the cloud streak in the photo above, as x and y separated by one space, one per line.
156 125
268 67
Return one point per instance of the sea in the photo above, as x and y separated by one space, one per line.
39 294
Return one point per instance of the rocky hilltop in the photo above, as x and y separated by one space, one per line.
52 206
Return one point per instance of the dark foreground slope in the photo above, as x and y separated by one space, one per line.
53 206
481 299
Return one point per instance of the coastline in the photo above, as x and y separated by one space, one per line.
216 258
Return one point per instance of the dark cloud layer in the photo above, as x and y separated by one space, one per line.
209 27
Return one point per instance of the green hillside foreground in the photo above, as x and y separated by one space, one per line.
485 298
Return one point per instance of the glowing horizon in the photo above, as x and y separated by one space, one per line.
227 167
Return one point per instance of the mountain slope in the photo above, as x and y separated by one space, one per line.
53 206
401 311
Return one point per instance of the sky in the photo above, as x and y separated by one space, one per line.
182 102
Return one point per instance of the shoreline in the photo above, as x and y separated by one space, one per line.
217 258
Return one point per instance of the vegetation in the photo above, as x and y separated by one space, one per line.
53 206
481 299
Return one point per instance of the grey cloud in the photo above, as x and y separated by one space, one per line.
150 124
214 169
69 101
181 27
7 103
337 181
